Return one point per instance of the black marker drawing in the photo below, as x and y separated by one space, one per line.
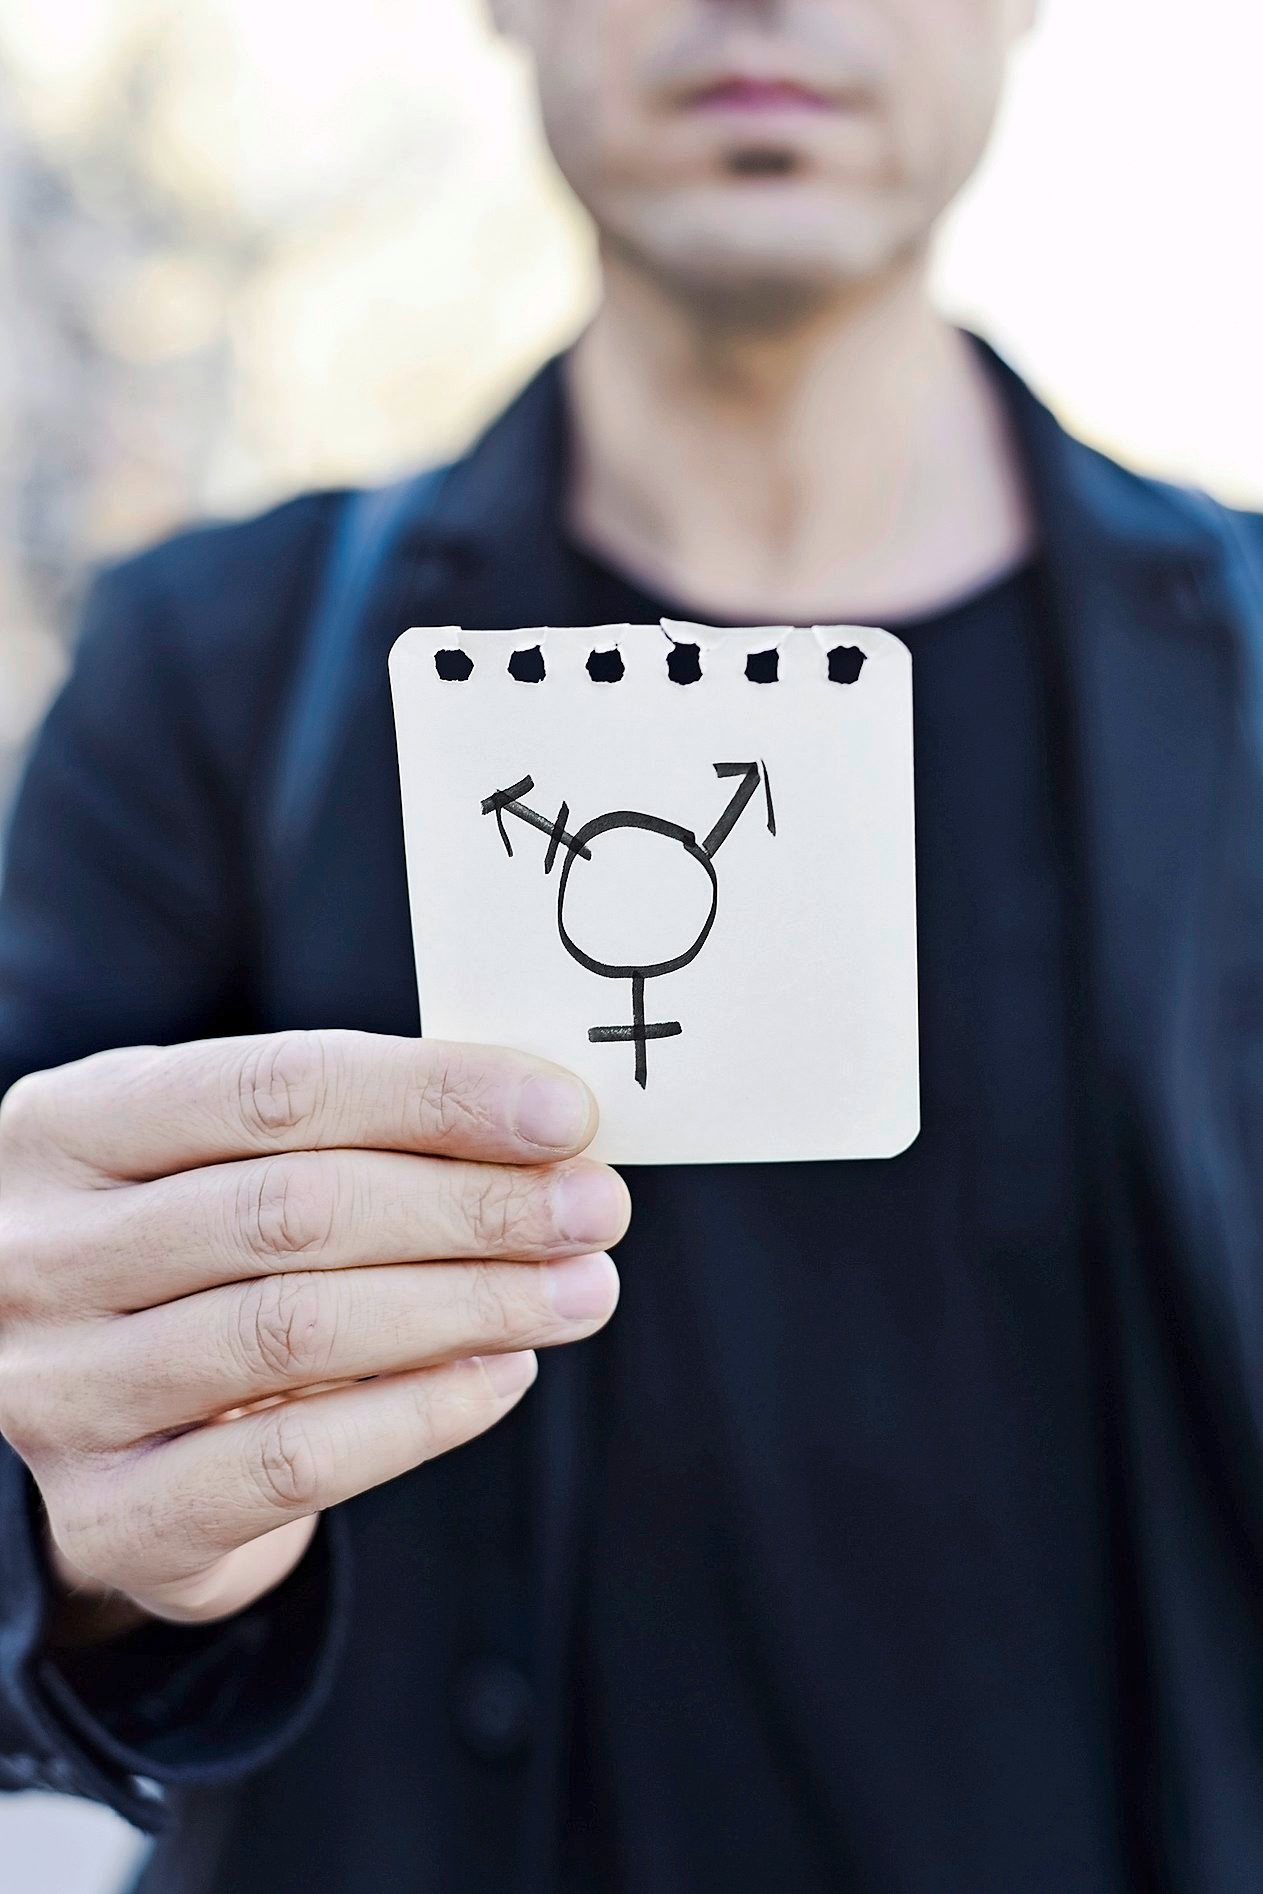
578 847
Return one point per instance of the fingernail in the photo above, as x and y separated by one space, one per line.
590 1204
553 1112
509 1374
582 1287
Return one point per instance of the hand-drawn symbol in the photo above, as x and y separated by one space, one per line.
578 847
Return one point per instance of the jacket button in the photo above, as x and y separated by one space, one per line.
495 1709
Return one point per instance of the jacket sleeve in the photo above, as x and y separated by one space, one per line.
125 919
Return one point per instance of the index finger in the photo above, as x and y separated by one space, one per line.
149 1111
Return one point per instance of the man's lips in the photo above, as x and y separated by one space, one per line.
737 94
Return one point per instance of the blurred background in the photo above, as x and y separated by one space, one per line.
253 245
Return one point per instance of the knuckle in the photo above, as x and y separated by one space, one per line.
498 1209
454 1101
285 1467
17 1272
43 1115
495 1313
284 1334
24 1113
51 1411
50 1406
281 1084
289 1208
424 1422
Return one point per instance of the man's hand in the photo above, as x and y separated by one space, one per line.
245 1279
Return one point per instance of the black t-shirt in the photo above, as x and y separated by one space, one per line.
846 1603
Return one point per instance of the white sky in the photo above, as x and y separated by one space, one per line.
1114 241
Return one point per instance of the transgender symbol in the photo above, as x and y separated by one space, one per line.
579 848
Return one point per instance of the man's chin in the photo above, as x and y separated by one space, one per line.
768 260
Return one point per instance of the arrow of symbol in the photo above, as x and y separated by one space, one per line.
509 801
749 774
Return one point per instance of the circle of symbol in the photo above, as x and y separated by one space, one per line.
627 819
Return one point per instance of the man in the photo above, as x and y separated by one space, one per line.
904 1533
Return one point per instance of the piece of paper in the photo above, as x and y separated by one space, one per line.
699 895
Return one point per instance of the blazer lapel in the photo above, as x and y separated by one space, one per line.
1144 682
462 548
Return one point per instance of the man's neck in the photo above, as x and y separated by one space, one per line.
851 464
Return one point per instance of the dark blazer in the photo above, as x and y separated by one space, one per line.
392 1717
